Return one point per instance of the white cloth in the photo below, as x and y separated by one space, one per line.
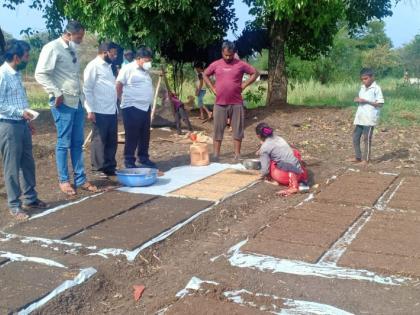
58 71
179 177
368 115
99 87
137 87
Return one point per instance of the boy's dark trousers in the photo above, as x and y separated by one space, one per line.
104 142
137 135
367 132
181 113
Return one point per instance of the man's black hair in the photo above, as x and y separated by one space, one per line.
144 52
107 46
74 27
15 47
230 46
367 72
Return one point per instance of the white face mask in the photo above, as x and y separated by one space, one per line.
147 66
73 45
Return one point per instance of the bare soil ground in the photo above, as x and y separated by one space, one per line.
323 135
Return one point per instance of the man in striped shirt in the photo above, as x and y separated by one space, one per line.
15 131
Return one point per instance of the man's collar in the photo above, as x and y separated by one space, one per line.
373 85
62 41
101 61
10 69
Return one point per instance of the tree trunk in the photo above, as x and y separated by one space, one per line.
277 77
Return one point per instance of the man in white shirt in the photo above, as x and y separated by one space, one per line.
135 90
58 71
101 106
370 100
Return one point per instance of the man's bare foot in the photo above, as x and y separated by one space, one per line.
287 192
364 163
67 189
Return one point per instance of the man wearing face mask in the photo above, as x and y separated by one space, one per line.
15 131
101 106
135 90
228 72
58 71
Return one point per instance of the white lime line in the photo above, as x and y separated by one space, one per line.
83 275
333 255
38 260
324 270
382 204
242 297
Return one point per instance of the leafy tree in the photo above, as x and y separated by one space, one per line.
306 28
381 58
181 31
373 35
410 55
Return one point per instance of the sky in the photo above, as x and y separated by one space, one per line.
401 27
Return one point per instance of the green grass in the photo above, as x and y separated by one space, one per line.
402 103
38 98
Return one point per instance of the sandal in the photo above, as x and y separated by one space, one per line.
90 187
19 214
67 189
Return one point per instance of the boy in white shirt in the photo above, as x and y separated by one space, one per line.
370 101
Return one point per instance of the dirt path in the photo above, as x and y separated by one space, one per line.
295 256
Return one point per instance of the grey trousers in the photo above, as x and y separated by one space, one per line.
180 113
18 162
367 132
104 143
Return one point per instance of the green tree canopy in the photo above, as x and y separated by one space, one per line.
306 28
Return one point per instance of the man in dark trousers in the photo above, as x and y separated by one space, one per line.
101 107
135 90
15 131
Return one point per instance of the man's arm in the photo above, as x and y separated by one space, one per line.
254 75
89 78
206 77
44 71
265 164
200 84
5 108
119 88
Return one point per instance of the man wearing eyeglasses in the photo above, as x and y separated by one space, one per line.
58 71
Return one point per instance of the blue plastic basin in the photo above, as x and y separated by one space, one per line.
137 177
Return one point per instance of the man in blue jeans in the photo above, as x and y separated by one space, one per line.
58 71
135 90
